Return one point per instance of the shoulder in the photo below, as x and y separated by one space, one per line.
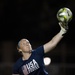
17 64
18 61
39 50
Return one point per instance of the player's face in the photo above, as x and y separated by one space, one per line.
25 45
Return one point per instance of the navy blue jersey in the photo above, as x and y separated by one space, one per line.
33 66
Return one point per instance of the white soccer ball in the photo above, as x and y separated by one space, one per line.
64 15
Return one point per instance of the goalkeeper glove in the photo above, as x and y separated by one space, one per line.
64 27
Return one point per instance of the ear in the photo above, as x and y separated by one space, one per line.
19 50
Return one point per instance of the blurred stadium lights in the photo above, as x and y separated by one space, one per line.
47 61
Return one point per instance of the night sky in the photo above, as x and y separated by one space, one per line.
32 19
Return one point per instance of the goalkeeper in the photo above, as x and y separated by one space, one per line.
31 62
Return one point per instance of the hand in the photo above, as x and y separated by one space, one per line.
64 27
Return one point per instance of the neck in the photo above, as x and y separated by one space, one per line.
26 56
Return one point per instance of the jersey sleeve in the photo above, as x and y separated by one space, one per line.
15 70
40 50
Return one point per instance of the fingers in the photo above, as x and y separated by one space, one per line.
63 25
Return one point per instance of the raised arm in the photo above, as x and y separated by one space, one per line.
55 40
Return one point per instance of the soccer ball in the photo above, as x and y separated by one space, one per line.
64 15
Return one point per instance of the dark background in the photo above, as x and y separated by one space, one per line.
36 20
